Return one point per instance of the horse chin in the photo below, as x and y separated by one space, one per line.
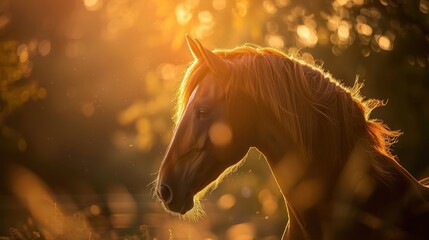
191 210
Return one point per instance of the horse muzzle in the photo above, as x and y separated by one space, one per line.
175 201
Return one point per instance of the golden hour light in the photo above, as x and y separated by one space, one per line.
111 129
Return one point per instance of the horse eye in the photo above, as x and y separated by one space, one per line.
202 112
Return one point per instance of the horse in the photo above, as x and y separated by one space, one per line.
332 163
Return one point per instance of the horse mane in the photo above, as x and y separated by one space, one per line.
306 100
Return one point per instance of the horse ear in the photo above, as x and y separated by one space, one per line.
215 63
193 47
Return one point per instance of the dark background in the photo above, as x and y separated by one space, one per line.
87 90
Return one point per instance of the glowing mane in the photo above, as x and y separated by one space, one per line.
307 100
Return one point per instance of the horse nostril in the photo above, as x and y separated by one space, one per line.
165 193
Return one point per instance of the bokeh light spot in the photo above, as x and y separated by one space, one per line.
122 205
242 231
246 192
219 4
364 29
183 14
385 43
94 210
424 6
226 201
241 8
269 7
220 134
343 31
44 47
205 17
22 53
268 201
282 3
307 36
4 21
88 109
93 5
275 41
340 2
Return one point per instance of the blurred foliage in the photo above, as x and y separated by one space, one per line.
15 88
107 71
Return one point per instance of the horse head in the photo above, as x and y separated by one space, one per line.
209 137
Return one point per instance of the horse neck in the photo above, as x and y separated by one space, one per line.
295 177
312 189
